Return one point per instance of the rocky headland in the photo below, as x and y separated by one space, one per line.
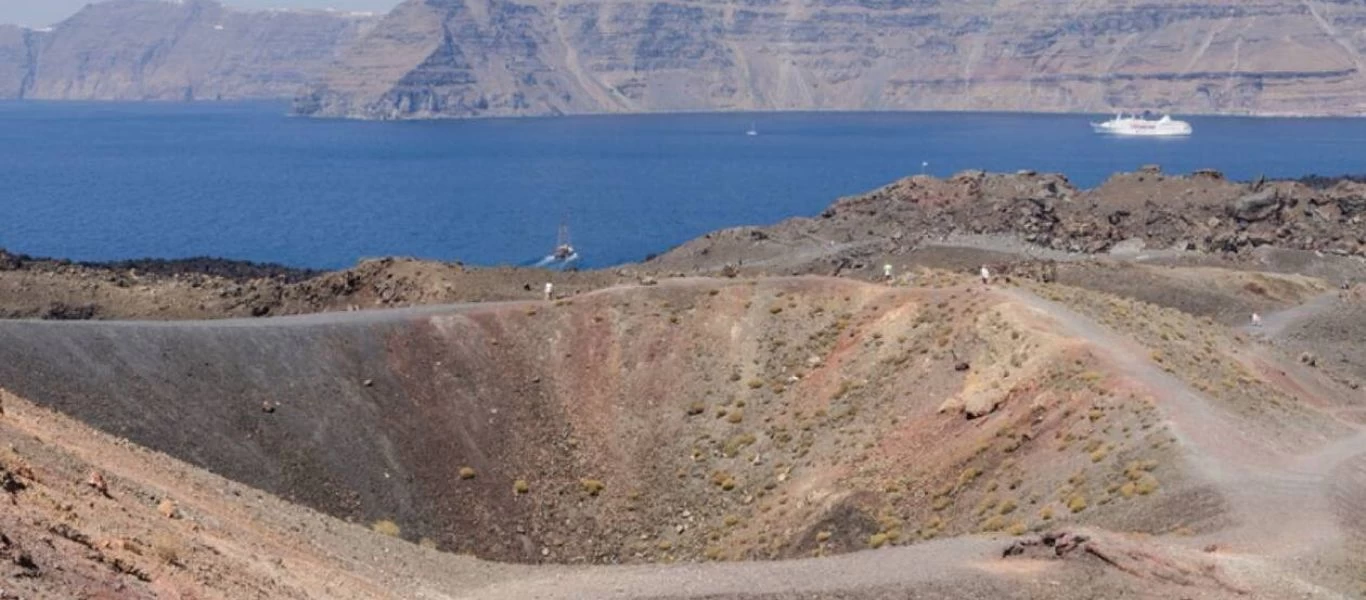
190 50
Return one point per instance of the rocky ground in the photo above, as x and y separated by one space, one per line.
1076 416
756 414
1146 212
212 289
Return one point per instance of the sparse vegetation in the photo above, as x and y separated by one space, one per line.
1076 503
737 443
386 527
592 487
1146 484
968 475
777 450
167 549
993 523
1006 506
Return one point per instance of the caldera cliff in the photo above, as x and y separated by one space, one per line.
469 58
190 50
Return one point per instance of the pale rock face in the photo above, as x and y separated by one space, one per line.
196 49
16 52
466 58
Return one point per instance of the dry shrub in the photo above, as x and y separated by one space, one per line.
1076 503
386 527
592 487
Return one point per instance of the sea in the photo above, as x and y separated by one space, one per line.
100 181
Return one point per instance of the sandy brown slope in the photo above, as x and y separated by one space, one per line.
88 515
1177 428
32 288
63 538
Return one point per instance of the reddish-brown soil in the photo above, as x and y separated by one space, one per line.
703 420
780 437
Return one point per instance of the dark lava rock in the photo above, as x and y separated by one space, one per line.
60 311
1256 207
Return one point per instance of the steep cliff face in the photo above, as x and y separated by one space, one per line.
196 49
16 59
460 58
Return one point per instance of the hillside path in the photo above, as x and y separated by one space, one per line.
1289 502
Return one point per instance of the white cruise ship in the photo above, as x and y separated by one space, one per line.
1137 125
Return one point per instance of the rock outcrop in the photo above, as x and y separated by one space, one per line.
196 49
466 58
1147 209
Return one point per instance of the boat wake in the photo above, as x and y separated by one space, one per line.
556 262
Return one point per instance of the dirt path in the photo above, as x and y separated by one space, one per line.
1289 503
356 317
906 567
1282 502
1275 324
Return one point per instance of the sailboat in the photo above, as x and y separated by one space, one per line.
564 257
564 250
752 130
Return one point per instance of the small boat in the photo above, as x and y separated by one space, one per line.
564 252
564 256
752 130
1141 126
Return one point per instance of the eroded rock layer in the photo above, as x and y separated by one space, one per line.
463 58
197 49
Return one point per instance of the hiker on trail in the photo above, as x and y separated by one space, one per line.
1256 320
887 272
986 276
549 291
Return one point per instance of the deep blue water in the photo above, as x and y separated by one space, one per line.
109 181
